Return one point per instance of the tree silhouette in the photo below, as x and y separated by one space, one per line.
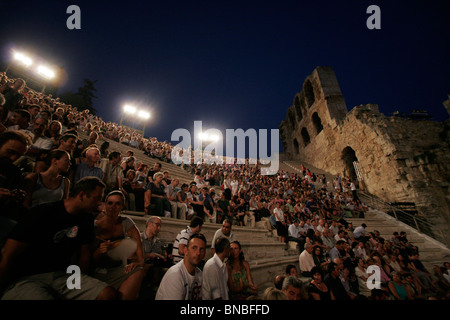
83 98
87 94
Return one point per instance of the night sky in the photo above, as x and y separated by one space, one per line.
237 64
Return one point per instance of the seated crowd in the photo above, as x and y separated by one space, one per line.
53 184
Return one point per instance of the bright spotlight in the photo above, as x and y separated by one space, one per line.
144 115
208 137
46 72
129 109
23 59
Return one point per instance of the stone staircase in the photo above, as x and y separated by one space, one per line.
431 251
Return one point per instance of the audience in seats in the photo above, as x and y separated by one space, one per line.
48 130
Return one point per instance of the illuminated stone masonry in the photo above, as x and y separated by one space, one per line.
400 159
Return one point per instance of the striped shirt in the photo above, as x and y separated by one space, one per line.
182 238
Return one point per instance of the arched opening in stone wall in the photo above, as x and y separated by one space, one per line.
298 108
348 157
305 136
317 122
296 146
309 93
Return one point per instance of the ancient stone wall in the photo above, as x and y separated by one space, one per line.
401 160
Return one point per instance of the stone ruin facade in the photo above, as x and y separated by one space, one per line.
398 159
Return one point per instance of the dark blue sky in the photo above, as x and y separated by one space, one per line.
238 64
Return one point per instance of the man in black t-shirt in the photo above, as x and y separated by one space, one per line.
13 144
334 283
47 241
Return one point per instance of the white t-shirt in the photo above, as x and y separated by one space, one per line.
293 231
219 234
279 214
306 261
178 284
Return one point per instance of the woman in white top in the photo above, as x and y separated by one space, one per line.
234 186
361 273
50 185
280 224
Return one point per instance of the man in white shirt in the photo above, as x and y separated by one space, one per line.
225 232
294 235
183 281
306 260
215 273
334 227
303 229
340 236
359 232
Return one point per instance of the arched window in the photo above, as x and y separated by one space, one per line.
349 157
317 122
305 136
309 93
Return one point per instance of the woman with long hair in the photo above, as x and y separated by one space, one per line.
240 281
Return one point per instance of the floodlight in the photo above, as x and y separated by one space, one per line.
129 109
143 114
46 72
23 59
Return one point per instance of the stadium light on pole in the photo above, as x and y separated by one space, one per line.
136 114
43 71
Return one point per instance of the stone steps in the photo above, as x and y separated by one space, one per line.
430 251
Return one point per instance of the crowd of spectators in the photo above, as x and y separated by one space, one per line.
43 160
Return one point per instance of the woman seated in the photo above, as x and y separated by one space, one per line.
134 191
117 251
195 202
398 289
317 289
50 185
240 281
155 199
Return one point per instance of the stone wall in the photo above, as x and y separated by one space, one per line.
401 160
